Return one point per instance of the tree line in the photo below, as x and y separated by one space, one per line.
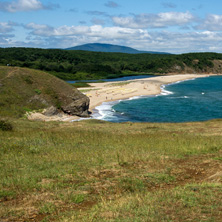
77 65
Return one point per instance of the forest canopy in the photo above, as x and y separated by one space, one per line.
78 65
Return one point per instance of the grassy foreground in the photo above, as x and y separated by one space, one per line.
100 171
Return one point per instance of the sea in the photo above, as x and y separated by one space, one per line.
124 78
198 99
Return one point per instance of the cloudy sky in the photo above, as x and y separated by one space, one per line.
176 26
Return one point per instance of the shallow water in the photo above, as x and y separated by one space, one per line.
192 100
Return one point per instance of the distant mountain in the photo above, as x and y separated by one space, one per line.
99 47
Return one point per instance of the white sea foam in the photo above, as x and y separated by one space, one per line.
104 110
136 97
164 91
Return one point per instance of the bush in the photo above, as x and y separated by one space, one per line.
38 91
80 84
5 126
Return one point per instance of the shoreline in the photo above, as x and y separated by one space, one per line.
114 91
108 92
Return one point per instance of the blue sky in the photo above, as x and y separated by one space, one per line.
152 25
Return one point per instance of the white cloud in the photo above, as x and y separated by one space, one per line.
95 30
6 27
72 35
117 33
40 30
168 41
180 41
71 30
25 5
211 23
159 20
176 42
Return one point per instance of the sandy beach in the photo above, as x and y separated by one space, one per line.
112 91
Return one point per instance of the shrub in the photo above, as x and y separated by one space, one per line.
5 126
38 91
80 84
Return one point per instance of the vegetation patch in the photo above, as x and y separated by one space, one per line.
38 91
80 84
5 125
119 83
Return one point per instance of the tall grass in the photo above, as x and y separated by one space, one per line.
102 168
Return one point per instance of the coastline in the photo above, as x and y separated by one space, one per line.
115 91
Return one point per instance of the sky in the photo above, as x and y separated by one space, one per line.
172 26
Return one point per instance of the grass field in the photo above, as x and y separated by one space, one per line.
99 171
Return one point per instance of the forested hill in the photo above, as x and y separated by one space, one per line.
69 64
100 47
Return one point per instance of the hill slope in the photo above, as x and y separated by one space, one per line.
24 90
99 47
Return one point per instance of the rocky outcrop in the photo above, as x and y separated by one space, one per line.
76 104
51 111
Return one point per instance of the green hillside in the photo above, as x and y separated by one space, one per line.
23 90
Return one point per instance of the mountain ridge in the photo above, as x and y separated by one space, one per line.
103 47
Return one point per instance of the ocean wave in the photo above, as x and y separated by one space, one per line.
167 92
104 110
178 97
164 91
136 97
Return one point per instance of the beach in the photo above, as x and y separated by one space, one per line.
113 91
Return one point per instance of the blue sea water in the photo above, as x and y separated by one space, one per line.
125 78
192 100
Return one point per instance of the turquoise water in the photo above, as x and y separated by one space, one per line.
192 100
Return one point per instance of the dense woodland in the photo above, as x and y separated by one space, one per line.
77 65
